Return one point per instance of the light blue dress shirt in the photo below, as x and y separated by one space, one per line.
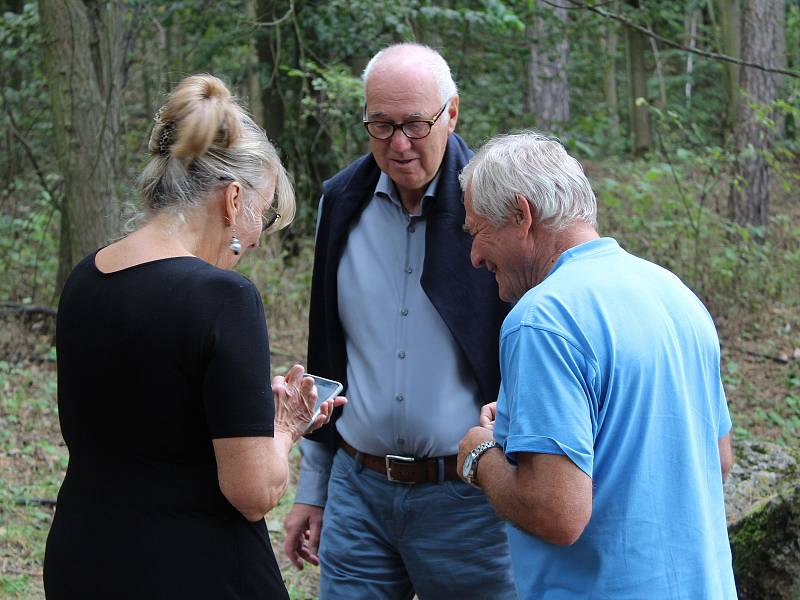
410 390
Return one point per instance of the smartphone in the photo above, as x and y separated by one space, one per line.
326 389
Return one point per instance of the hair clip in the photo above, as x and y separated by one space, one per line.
166 136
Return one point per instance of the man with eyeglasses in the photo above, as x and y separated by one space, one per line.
401 318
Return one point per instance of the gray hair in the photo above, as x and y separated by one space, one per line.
203 139
536 167
422 55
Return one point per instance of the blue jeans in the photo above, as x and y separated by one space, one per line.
383 540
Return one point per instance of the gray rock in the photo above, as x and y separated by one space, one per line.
762 499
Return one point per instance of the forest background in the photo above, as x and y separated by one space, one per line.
685 114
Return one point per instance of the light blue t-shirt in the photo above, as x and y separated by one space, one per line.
614 362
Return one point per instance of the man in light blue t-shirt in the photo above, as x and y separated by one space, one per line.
609 442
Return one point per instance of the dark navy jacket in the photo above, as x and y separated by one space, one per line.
466 298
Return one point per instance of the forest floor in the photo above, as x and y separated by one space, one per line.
761 373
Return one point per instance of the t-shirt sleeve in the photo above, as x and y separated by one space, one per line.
549 387
716 390
237 395
725 423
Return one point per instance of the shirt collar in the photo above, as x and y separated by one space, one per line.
387 189
596 246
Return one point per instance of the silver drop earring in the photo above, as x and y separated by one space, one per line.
236 245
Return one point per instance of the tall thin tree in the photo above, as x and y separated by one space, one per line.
763 42
692 21
84 57
636 45
268 48
548 92
730 32
253 68
610 41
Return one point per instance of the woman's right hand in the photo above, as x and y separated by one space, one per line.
295 395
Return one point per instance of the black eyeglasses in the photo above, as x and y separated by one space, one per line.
270 215
269 221
413 130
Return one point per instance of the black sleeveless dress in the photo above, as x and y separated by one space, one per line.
154 362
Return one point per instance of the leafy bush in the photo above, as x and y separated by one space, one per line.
661 212
29 183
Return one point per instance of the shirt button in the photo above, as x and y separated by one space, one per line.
409 270
411 228
404 312
399 397
401 354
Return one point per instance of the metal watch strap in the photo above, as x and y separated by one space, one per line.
476 455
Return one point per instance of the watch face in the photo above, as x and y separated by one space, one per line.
465 471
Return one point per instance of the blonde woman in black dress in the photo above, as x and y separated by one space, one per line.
178 444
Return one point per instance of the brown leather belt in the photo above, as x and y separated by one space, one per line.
404 469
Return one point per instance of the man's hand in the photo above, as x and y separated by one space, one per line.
474 437
303 525
488 415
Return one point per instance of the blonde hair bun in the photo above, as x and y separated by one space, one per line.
203 115
203 137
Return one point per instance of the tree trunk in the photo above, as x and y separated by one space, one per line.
268 46
730 28
610 43
636 42
147 85
253 68
763 42
662 86
159 54
693 19
780 57
84 62
548 89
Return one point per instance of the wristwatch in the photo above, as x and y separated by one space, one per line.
471 462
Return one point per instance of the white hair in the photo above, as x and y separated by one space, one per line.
422 55
536 167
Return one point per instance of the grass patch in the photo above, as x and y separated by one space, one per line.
32 464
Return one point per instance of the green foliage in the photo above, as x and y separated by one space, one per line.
319 50
652 210
788 419
328 128
318 84
29 181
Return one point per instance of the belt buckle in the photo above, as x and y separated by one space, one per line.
390 458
